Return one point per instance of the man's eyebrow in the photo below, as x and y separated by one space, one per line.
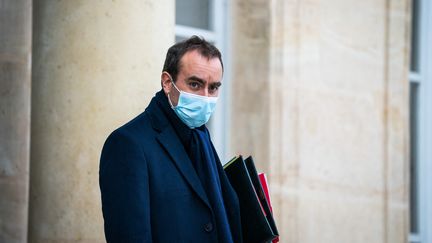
216 84
195 78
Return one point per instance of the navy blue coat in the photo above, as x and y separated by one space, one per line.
150 190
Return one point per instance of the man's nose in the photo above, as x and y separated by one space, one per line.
206 93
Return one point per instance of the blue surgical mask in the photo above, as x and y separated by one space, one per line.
194 110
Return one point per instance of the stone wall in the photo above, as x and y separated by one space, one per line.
15 71
320 96
96 65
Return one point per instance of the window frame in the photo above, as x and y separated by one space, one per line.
423 77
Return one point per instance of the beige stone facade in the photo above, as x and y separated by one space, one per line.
319 97
15 63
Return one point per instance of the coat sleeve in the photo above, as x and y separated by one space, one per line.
123 180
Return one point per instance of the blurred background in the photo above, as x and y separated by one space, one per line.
332 98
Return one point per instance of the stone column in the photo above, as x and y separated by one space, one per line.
15 56
96 65
320 97
250 86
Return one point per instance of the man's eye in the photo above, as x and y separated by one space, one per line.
194 85
214 88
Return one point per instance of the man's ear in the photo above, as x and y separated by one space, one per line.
166 82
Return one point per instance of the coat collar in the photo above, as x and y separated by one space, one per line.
175 149
170 141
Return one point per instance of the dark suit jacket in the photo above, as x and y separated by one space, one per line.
150 190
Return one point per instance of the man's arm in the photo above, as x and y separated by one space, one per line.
123 180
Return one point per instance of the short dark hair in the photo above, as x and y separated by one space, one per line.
177 51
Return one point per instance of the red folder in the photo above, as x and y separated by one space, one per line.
263 180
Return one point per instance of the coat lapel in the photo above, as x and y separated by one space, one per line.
173 146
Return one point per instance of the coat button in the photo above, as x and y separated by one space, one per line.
208 227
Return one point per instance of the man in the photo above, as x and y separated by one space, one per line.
160 177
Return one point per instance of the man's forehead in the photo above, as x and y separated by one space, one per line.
195 56
195 64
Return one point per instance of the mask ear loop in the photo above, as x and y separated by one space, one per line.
175 86
169 99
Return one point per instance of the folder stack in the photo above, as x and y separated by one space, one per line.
258 224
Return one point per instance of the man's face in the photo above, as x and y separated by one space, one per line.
197 75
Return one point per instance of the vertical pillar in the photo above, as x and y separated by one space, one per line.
320 96
396 197
96 65
250 86
15 55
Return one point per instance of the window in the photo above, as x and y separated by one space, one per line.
206 18
421 123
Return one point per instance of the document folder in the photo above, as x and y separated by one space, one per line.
258 225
